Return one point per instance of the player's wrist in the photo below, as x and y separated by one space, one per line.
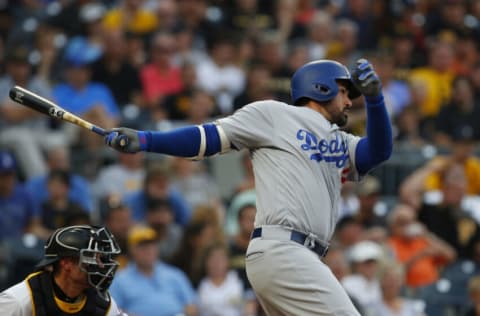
374 99
144 140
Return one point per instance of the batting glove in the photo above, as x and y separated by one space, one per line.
366 79
123 139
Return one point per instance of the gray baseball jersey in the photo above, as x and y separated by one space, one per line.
299 159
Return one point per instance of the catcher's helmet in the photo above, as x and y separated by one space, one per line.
317 80
94 246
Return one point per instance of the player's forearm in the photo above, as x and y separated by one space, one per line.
377 146
192 141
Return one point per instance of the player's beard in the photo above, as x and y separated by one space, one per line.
340 118
336 114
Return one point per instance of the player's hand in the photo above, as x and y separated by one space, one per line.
366 79
123 139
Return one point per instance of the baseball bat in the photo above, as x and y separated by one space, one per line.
42 105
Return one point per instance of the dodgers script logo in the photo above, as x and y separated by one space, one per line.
333 150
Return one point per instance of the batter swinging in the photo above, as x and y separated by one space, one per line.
300 159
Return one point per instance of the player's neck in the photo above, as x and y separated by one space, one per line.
67 291
317 107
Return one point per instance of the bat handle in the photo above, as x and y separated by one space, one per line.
122 139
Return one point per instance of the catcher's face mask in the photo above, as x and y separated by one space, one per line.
97 259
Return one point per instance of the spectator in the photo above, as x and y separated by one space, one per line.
248 182
118 219
177 105
58 159
79 94
338 264
17 122
391 278
431 175
363 283
443 214
149 287
221 291
348 232
193 16
361 13
68 17
320 33
160 77
409 133
238 243
160 217
18 213
344 47
91 16
460 116
258 86
248 17
129 16
348 199
167 15
197 236
219 76
474 293
157 186
202 108
115 71
59 209
240 201
271 51
194 183
368 192
396 92
214 216
422 253
121 178
435 79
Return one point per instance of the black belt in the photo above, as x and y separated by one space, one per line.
300 238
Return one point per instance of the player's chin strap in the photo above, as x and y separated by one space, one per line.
213 141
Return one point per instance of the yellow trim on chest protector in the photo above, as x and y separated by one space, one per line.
70 308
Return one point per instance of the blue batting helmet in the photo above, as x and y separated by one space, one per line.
317 80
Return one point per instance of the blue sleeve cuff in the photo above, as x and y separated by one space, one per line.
144 141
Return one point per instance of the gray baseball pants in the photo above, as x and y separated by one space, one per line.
291 280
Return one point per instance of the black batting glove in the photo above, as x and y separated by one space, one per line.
366 79
123 139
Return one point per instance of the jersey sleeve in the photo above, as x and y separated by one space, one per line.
16 301
350 171
251 126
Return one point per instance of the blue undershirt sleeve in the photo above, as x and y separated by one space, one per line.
376 147
182 142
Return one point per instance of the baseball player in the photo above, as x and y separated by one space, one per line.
72 278
300 158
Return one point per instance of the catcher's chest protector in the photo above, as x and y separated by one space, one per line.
40 285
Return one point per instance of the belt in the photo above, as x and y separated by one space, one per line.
281 233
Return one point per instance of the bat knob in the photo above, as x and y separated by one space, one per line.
123 140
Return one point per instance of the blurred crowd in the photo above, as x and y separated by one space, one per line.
162 64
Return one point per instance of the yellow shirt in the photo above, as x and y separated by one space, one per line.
472 173
141 22
437 88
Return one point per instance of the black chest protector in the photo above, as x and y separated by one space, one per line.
45 303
